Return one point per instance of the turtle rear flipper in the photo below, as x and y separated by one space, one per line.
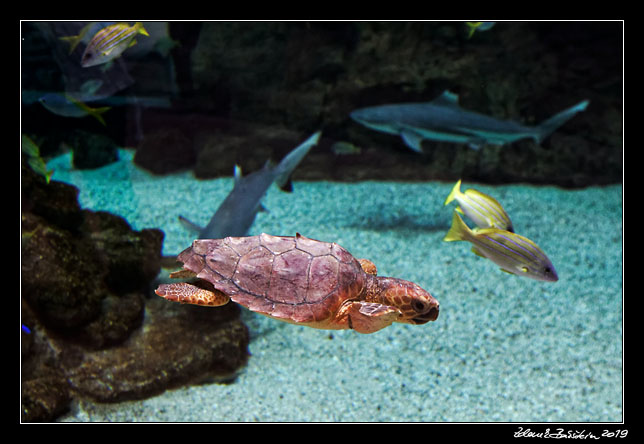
369 317
186 293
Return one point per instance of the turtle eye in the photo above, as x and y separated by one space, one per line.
419 306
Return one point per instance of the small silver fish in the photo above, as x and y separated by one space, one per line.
65 105
515 254
110 42
485 211
342 148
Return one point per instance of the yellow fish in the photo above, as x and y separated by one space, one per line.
34 160
513 253
485 211
478 26
110 42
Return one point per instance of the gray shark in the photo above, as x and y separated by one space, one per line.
444 120
237 212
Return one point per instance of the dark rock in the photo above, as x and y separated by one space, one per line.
92 150
61 281
89 329
248 146
177 345
56 202
131 258
164 151
45 391
45 397
307 76
119 317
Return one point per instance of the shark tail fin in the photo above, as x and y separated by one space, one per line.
549 126
291 160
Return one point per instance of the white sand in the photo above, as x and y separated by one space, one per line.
503 348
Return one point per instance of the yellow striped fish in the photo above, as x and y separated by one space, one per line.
513 253
485 211
110 42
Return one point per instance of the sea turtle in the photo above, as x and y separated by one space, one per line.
297 280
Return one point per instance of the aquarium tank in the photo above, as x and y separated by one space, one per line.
323 221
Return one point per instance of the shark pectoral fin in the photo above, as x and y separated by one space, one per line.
413 140
189 225
237 174
286 185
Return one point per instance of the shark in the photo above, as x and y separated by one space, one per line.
443 120
237 212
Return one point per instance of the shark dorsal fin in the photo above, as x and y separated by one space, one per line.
237 174
448 98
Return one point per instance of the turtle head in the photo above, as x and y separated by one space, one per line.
417 305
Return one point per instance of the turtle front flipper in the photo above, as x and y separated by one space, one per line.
368 266
369 317
186 293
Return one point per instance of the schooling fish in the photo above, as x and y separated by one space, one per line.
237 212
485 211
110 42
444 120
513 253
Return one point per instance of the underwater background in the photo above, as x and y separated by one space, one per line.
112 154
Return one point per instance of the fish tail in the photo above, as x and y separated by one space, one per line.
472 28
458 231
138 27
96 113
549 126
73 41
455 192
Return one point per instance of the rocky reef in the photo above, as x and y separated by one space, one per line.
90 329
256 81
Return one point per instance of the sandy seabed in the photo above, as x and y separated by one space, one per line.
504 348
